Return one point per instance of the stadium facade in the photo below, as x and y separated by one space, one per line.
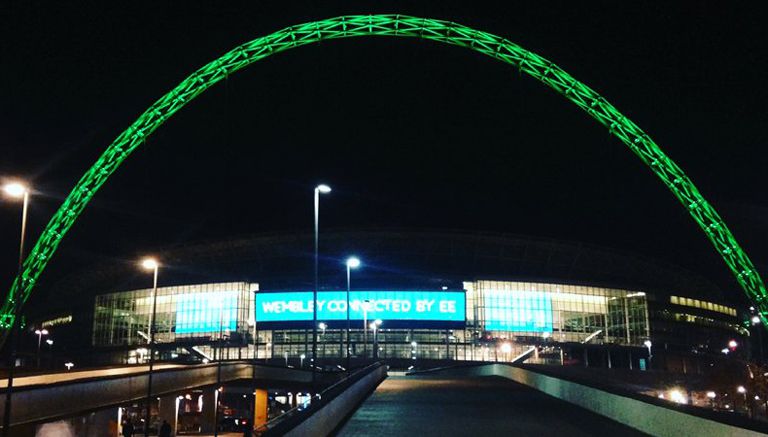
480 296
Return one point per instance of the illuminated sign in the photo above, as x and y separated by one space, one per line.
523 311
404 308
206 312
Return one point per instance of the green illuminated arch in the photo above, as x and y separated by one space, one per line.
400 26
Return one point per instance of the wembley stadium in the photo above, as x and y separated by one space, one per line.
415 295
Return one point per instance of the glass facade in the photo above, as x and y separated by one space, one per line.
186 313
503 319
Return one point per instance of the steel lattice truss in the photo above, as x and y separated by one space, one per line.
398 26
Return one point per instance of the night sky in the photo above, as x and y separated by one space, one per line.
409 133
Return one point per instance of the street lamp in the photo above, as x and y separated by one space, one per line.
756 321
302 356
320 189
16 190
366 305
69 365
152 265
40 333
375 326
352 263
322 327
648 344
414 350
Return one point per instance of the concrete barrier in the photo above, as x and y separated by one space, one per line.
326 416
46 402
644 416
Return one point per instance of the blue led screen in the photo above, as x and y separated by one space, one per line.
523 311
206 312
419 306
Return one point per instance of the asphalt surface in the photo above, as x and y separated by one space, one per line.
419 406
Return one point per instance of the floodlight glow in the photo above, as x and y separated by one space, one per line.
741 389
49 341
755 320
677 396
149 263
647 343
711 394
732 344
353 262
506 348
322 188
378 322
15 189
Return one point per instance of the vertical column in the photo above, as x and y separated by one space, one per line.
260 405
169 411
208 415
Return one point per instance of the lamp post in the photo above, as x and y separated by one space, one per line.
152 265
40 333
324 189
375 326
322 327
755 322
15 190
49 342
648 344
366 303
352 263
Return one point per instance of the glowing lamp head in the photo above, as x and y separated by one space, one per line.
741 389
322 188
647 343
15 189
303 356
353 262
755 320
378 322
732 344
322 325
506 348
711 394
149 264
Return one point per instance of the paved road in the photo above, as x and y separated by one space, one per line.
482 406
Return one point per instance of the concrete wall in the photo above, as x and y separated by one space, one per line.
325 420
652 419
67 399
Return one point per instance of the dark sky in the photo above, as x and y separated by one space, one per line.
409 133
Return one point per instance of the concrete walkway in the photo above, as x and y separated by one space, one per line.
482 406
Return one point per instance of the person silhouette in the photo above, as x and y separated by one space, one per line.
128 429
165 429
